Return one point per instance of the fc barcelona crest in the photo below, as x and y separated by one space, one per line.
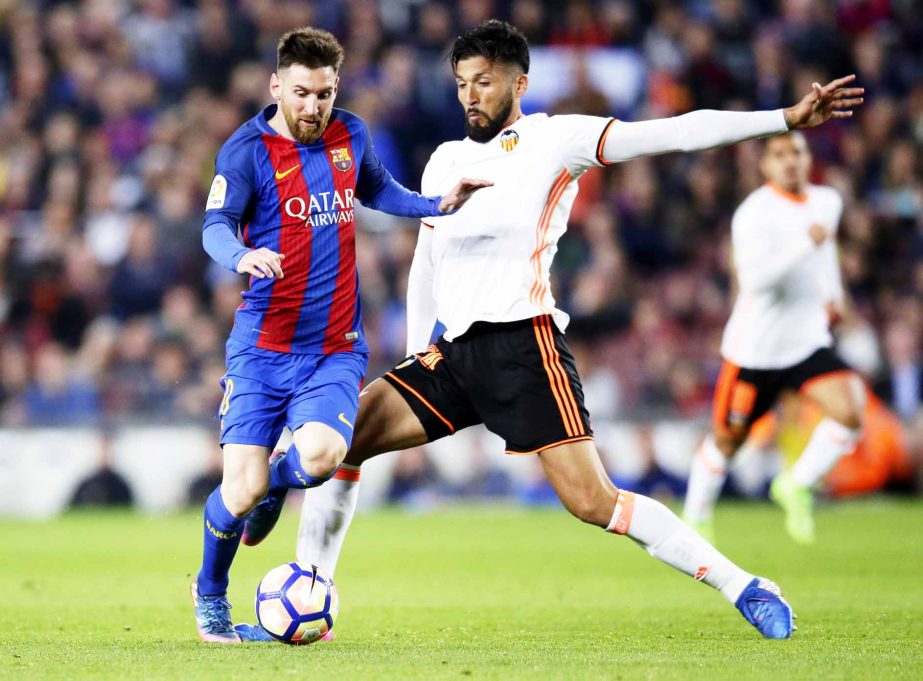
340 158
509 140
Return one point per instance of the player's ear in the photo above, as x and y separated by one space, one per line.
521 84
275 86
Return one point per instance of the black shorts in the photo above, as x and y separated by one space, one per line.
517 378
743 395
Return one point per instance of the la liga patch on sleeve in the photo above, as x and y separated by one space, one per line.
217 193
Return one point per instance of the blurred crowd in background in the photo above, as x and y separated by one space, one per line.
111 113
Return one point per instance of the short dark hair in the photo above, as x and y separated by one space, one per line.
314 48
496 41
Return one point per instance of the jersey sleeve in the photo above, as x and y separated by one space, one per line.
429 183
579 139
229 200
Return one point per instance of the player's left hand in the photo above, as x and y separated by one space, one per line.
833 100
460 193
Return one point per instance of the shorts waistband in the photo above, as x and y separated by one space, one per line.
484 328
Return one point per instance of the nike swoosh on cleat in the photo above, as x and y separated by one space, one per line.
279 175
342 417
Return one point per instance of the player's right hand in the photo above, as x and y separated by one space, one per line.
818 234
262 263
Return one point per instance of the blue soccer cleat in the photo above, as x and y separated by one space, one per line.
762 605
263 517
213 617
253 633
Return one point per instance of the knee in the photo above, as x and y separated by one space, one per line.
322 461
240 495
850 418
729 443
593 509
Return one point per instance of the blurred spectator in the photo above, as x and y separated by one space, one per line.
901 385
104 487
57 396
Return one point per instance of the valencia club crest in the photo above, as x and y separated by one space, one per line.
340 158
509 140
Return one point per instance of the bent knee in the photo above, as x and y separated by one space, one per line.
322 462
240 496
851 419
728 443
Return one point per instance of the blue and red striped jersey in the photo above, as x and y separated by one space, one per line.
297 199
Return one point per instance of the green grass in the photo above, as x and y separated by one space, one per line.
483 593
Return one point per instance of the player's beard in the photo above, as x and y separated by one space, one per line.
310 135
492 126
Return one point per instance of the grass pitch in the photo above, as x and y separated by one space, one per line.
481 593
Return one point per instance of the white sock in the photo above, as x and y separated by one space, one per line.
829 441
326 514
668 539
706 478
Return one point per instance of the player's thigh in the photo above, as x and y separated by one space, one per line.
741 397
245 477
578 477
524 385
418 401
322 410
840 395
385 423
252 410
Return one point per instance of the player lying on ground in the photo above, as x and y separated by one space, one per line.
297 354
778 337
503 360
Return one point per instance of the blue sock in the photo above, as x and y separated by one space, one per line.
222 537
287 473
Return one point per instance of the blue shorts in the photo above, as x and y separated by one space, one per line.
264 391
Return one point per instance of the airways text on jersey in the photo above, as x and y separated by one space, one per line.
322 209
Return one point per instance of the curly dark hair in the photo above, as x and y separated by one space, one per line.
496 41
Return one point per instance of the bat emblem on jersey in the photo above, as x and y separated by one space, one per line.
291 170
340 158
509 140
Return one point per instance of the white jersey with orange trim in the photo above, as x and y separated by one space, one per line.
491 260
785 280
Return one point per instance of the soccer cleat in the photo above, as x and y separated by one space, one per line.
798 504
253 633
705 528
762 605
213 617
263 517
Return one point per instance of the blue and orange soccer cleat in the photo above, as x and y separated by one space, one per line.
263 517
762 605
213 617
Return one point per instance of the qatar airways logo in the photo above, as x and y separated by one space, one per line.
322 209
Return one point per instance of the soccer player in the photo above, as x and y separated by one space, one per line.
503 360
778 337
297 354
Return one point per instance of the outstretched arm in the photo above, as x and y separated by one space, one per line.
377 189
706 128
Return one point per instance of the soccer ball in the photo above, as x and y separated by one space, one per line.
296 603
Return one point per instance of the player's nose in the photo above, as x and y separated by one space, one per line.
310 105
